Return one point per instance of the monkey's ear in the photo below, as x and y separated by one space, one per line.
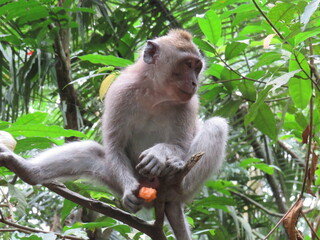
151 52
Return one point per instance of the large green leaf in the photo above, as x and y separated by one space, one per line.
211 26
282 12
265 121
106 60
253 110
30 143
41 130
300 91
31 118
234 49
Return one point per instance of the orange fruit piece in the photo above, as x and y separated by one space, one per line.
148 194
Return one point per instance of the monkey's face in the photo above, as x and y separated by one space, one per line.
184 77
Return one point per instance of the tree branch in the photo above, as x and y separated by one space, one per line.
20 228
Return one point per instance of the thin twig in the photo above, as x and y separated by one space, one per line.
309 147
25 229
281 220
257 204
268 20
310 226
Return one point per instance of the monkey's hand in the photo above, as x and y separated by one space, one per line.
131 201
173 166
152 162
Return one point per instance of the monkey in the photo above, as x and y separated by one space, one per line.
150 128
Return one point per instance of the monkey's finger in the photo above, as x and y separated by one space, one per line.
146 171
145 161
156 170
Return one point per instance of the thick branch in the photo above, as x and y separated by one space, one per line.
101 207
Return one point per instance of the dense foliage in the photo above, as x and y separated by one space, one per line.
262 74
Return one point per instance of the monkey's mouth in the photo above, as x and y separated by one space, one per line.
185 95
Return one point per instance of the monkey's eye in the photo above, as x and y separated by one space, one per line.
176 74
188 63
198 70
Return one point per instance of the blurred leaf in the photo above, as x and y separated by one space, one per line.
234 49
249 161
267 59
30 143
305 35
300 91
282 12
265 168
229 109
282 80
66 209
106 60
40 130
253 110
214 200
19 197
308 11
211 26
265 121
248 90
32 118
204 45
215 70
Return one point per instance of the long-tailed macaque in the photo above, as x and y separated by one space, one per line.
150 128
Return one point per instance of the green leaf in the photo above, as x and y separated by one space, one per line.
214 200
257 163
40 130
66 209
266 59
305 35
204 45
300 91
248 90
32 118
30 143
229 109
249 161
19 197
253 110
282 12
106 60
298 61
211 26
265 121
234 49
227 74
265 168
215 70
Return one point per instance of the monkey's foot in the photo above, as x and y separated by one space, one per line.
18 165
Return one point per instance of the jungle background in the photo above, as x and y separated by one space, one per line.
57 59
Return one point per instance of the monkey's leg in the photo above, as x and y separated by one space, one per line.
210 139
175 215
74 160
68 161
